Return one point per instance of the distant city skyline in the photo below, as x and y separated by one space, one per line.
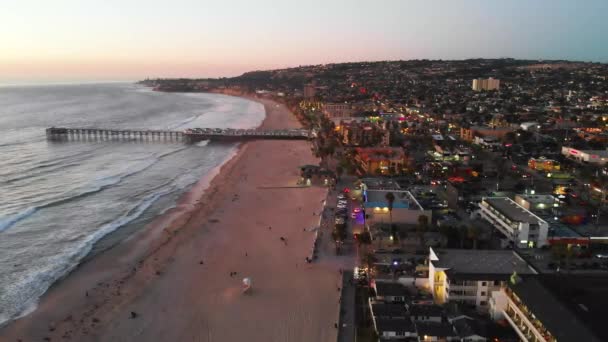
68 40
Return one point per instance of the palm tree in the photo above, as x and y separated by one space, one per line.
390 199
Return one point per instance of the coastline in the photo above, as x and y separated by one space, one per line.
87 303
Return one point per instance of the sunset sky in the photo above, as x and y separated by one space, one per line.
75 40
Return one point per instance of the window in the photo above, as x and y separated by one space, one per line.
496 282
400 333
483 293
483 303
483 283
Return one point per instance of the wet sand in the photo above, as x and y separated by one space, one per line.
172 281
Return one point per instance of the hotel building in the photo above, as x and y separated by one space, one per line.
520 226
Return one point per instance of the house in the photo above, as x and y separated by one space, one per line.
380 160
395 329
390 292
388 310
426 313
435 331
470 276
468 329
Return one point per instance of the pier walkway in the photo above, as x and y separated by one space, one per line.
190 135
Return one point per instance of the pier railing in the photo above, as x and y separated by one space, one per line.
189 135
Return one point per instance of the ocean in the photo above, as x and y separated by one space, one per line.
63 201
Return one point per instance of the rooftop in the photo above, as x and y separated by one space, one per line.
426 310
571 308
403 199
380 184
389 310
399 325
479 264
511 210
391 289
434 329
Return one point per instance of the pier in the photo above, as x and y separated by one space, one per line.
190 135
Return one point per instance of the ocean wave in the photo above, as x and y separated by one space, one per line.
184 122
103 183
36 284
100 184
202 143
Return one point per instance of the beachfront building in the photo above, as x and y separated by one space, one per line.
380 161
596 157
406 209
520 226
553 308
470 276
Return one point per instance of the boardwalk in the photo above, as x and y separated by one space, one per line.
189 135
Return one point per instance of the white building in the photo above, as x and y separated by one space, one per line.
536 202
520 226
470 276
538 314
485 84
598 157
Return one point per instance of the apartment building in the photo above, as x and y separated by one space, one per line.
336 111
480 84
470 276
520 226
552 308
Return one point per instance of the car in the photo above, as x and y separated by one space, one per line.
602 255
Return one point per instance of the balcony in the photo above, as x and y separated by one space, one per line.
525 322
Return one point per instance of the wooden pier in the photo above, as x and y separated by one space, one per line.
190 135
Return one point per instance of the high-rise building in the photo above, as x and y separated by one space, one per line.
480 84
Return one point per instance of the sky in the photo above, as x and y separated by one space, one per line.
101 40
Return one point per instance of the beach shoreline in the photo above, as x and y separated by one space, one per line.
94 302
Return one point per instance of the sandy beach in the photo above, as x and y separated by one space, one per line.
172 280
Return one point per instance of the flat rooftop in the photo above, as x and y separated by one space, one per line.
403 199
512 210
480 264
380 184
572 308
559 230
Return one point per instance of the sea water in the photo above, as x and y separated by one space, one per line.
60 200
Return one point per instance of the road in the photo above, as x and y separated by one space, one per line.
345 262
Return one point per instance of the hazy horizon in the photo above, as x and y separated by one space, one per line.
69 41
